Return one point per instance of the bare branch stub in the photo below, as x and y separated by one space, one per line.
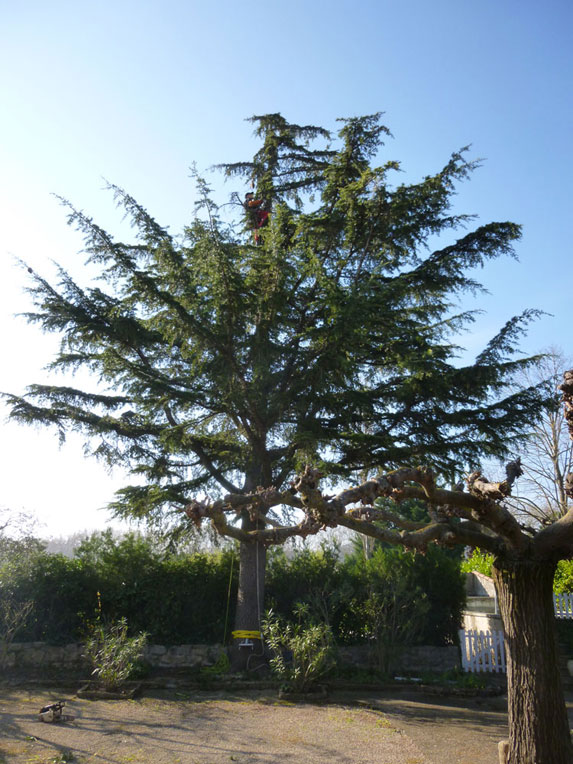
567 398
479 485
569 485
196 511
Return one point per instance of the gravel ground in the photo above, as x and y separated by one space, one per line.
397 727
451 730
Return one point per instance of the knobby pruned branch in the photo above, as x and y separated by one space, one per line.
475 517
567 390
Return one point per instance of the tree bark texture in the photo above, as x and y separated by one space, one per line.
538 724
250 598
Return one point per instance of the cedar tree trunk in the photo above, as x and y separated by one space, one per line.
539 729
250 599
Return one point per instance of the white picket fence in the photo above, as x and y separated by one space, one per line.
563 605
484 651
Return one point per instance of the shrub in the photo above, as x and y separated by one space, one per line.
430 584
302 651
313 577
391 620
13 617
174 598
114 656
184 598
60 591
563 581
480 562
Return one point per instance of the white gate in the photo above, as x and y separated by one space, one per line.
563 604
482 651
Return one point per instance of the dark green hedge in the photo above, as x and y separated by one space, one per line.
184 598
338 591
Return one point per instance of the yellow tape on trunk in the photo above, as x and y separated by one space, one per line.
243 634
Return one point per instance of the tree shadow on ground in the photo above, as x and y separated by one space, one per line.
205 729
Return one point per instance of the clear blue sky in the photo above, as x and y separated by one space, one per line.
135 92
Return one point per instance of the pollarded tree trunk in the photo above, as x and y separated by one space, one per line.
539 729
250 599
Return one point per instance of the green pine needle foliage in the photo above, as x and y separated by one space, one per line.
223 366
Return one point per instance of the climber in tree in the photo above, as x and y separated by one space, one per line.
258 216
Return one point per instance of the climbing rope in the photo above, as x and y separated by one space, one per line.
228 600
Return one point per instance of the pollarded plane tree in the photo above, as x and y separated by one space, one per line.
224 366
524 567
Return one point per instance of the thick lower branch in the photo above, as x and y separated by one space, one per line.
556 540
446 533
479 521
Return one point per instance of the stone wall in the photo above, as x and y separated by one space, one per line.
34 654
183 656
28 654
428 658
418 659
